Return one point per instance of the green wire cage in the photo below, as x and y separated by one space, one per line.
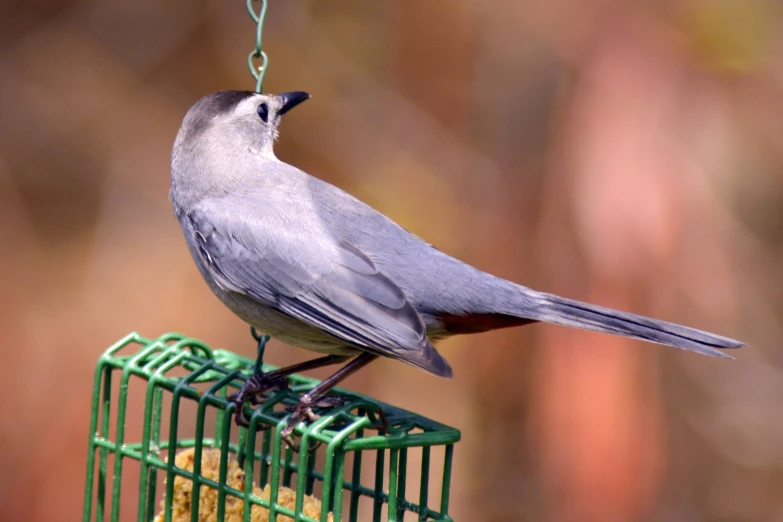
154 399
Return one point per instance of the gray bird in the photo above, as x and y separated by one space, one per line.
308 264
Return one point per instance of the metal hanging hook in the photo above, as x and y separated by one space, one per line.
258 71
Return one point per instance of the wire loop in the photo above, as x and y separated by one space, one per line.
258 71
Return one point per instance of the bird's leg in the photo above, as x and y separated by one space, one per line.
304 408
261 348
327 360
253 389
278 379
260 384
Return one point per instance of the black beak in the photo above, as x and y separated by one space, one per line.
289 100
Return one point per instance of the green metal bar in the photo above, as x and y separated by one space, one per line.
444 497
250 455
179 390
239 447
103 462
153 472
356 481
328 475
132 337
306 462
330 495
408 506
147 427
335 447
339 484
133 451
305 454
310 484
405 441
121 412
274 484
288 469
198 450
401 483
425 480
219 414
206 399
392 504
378 503
266 448
94 413
225 437
192 344
104 370
91 447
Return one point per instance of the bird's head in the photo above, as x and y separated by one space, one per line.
246 119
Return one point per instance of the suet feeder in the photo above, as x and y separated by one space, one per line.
186 459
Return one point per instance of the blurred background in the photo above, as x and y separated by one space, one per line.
625 153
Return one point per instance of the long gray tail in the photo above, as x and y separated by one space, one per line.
558 310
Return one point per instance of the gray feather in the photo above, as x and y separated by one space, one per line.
332 286
558 310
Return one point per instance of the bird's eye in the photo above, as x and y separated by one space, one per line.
263 112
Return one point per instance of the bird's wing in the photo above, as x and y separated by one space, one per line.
318 279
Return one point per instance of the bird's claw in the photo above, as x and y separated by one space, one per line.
255 390
323 402
303 411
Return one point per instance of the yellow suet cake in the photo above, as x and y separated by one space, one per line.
235 477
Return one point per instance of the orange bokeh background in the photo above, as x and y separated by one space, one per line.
625 153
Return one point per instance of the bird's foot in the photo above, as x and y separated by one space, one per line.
255 390
303 411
